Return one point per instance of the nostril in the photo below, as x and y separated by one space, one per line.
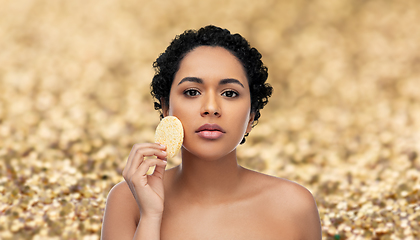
213 113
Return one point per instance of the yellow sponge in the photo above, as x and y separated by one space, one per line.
170 133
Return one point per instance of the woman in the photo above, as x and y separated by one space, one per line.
214 82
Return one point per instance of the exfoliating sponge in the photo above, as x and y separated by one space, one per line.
170 133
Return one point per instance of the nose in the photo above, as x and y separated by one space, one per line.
210 106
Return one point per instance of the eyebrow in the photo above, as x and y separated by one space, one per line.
230 80
222 82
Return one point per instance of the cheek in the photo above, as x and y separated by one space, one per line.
179 108
185 112
173 104
240 117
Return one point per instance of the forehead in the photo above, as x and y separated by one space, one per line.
209 62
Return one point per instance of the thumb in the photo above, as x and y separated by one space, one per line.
160 169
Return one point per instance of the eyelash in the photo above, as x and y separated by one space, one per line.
230 91
189 91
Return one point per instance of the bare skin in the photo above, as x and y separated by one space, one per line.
264 208
208 196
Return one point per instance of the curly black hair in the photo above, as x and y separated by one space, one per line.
167 64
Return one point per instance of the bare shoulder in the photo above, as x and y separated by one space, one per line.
121 196
120 189
287 201
121 213
290 194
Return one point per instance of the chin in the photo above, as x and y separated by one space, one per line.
208 152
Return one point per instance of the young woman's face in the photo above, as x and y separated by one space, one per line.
211 97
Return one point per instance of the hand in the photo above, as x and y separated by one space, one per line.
147 189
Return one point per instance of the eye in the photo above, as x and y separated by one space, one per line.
230 94
191 92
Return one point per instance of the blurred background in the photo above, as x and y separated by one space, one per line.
343 121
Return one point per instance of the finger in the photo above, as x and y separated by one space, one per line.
139 146
139 158
140 175
137 163
159 171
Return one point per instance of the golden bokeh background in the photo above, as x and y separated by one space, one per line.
344 118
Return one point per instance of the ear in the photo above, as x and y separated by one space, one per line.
165 108
250 122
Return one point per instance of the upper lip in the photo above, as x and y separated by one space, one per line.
210 127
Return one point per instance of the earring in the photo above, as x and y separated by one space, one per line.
243 139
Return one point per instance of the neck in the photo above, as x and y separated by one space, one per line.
208 180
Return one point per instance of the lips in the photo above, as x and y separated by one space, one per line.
210 131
